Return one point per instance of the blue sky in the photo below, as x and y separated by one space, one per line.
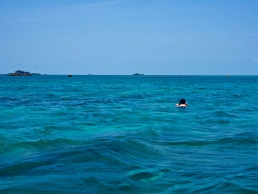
122 37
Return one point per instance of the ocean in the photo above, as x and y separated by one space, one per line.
123 134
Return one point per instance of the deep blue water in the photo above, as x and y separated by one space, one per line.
123 134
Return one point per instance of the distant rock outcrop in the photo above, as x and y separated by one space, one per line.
22 73
138 74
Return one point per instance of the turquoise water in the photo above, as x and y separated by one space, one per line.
123 134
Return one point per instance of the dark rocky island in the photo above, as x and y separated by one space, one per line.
22 73
138 74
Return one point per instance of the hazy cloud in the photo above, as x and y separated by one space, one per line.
99 4
52 13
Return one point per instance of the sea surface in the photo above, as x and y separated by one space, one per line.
123 134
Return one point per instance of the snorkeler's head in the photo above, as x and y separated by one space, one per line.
182 101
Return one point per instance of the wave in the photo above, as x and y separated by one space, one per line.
127 162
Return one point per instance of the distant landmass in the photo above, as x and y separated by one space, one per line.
138 74
22 73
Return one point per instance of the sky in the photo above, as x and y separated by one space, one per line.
122 37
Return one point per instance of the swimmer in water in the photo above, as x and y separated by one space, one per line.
182 103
